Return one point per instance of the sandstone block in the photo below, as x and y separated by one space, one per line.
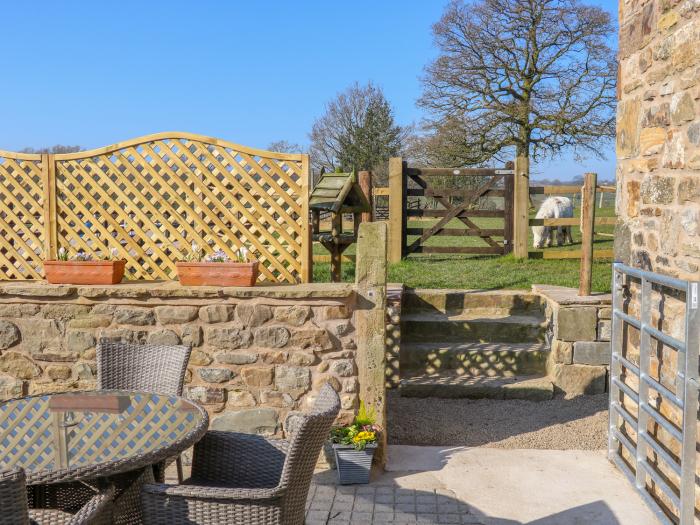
236 358
64 312
163 337
562 352
604 330
216 313
331 380
19 310
294 315
302 359
9 335
343 367
58 372
257 376
192 335
84 371
215 375
199 358
228 338
576 323
327 313
262 421
312 338
271 336
579 379
91 321
206 395
134 315
176 314
591 353
56 357
253 315
275 358
10 388
18 366
124 335
605 313
240 399
276 399
79 341
292 378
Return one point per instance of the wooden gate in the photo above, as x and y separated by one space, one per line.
428 210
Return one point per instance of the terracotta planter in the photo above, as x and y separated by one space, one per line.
84 272
217 273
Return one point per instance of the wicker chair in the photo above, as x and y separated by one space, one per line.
151 368
15 511
247 479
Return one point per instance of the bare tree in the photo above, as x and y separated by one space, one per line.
58 148
357 131
284 146
534 76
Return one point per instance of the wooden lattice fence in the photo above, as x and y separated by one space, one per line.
149 198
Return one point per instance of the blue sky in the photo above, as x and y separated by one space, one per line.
95 73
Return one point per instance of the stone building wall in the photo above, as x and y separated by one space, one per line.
658 182
257 354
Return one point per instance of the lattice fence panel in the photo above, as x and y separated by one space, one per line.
150 198
21 217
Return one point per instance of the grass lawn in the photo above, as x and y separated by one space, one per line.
486 272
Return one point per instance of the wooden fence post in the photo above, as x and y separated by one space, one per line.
396 205
508 196
521 205
364 179
587 226
48 181
307 259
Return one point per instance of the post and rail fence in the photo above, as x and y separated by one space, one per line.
148 199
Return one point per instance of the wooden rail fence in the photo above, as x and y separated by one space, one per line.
149 199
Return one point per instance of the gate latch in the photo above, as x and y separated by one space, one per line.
693 296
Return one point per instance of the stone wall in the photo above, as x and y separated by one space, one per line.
257 354
579 335
658 178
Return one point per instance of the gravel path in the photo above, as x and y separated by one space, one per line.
561 424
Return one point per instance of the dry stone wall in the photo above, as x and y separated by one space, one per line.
258 355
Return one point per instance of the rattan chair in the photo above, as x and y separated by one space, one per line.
14 508
151 368
247 479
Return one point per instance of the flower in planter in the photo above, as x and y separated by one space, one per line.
360 433
218 256
82 256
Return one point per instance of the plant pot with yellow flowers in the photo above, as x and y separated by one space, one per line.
354 446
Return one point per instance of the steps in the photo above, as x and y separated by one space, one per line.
462 344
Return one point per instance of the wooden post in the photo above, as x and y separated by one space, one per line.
521 206
364 179
307 259
48 180
508 186
336 252
587 226
397 192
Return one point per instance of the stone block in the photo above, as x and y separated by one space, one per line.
257 376
176 314
579 379
19 310
18 366
228 338
192 335
576 323
215 375
79 341
56 357
605 312
271 336
276 399
263 421
58 372
292 378
206 395
91 321
64 312
84 371
343 367
237 358
604 330
163 337
199 358
315 339
216 313
9 334
253 315
124 335
591 353
561 352
302 359
240 399
295 315
134 315
10 387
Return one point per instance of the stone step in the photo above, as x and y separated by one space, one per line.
471 327
449 385
502 302
475 359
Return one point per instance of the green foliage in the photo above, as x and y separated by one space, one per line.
360 433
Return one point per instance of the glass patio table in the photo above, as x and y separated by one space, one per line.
95 438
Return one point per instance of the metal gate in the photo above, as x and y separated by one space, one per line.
644 414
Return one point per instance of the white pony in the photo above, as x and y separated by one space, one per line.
553 208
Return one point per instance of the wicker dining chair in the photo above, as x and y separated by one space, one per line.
15 509
150 368
247 479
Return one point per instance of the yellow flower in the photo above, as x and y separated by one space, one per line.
363 436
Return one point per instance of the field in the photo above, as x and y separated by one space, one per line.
486 272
